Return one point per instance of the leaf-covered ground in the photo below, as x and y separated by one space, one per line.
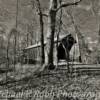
27 84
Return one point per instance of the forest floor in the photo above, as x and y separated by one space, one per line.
26 83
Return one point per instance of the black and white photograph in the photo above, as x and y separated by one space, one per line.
49 49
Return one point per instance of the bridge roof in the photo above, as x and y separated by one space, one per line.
45 42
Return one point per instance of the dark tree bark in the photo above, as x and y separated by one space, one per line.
51 30
42 40
41 31
8 43
99 35
27 39
59 27
15 44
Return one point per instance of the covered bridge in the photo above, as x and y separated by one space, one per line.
62 52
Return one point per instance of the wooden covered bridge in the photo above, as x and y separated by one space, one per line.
62 52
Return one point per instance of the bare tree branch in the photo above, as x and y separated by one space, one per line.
41 31
43 14
68 4
39 10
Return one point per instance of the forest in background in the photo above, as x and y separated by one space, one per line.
23 24
82 78
86 15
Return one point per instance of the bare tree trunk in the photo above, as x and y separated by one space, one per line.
27 39
41 32
7 55
99 35
15 34
51 30
15 41
8 52
42 40
59 29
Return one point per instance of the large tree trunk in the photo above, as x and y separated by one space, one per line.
41 32
15 44
42 40
8 43
51 30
